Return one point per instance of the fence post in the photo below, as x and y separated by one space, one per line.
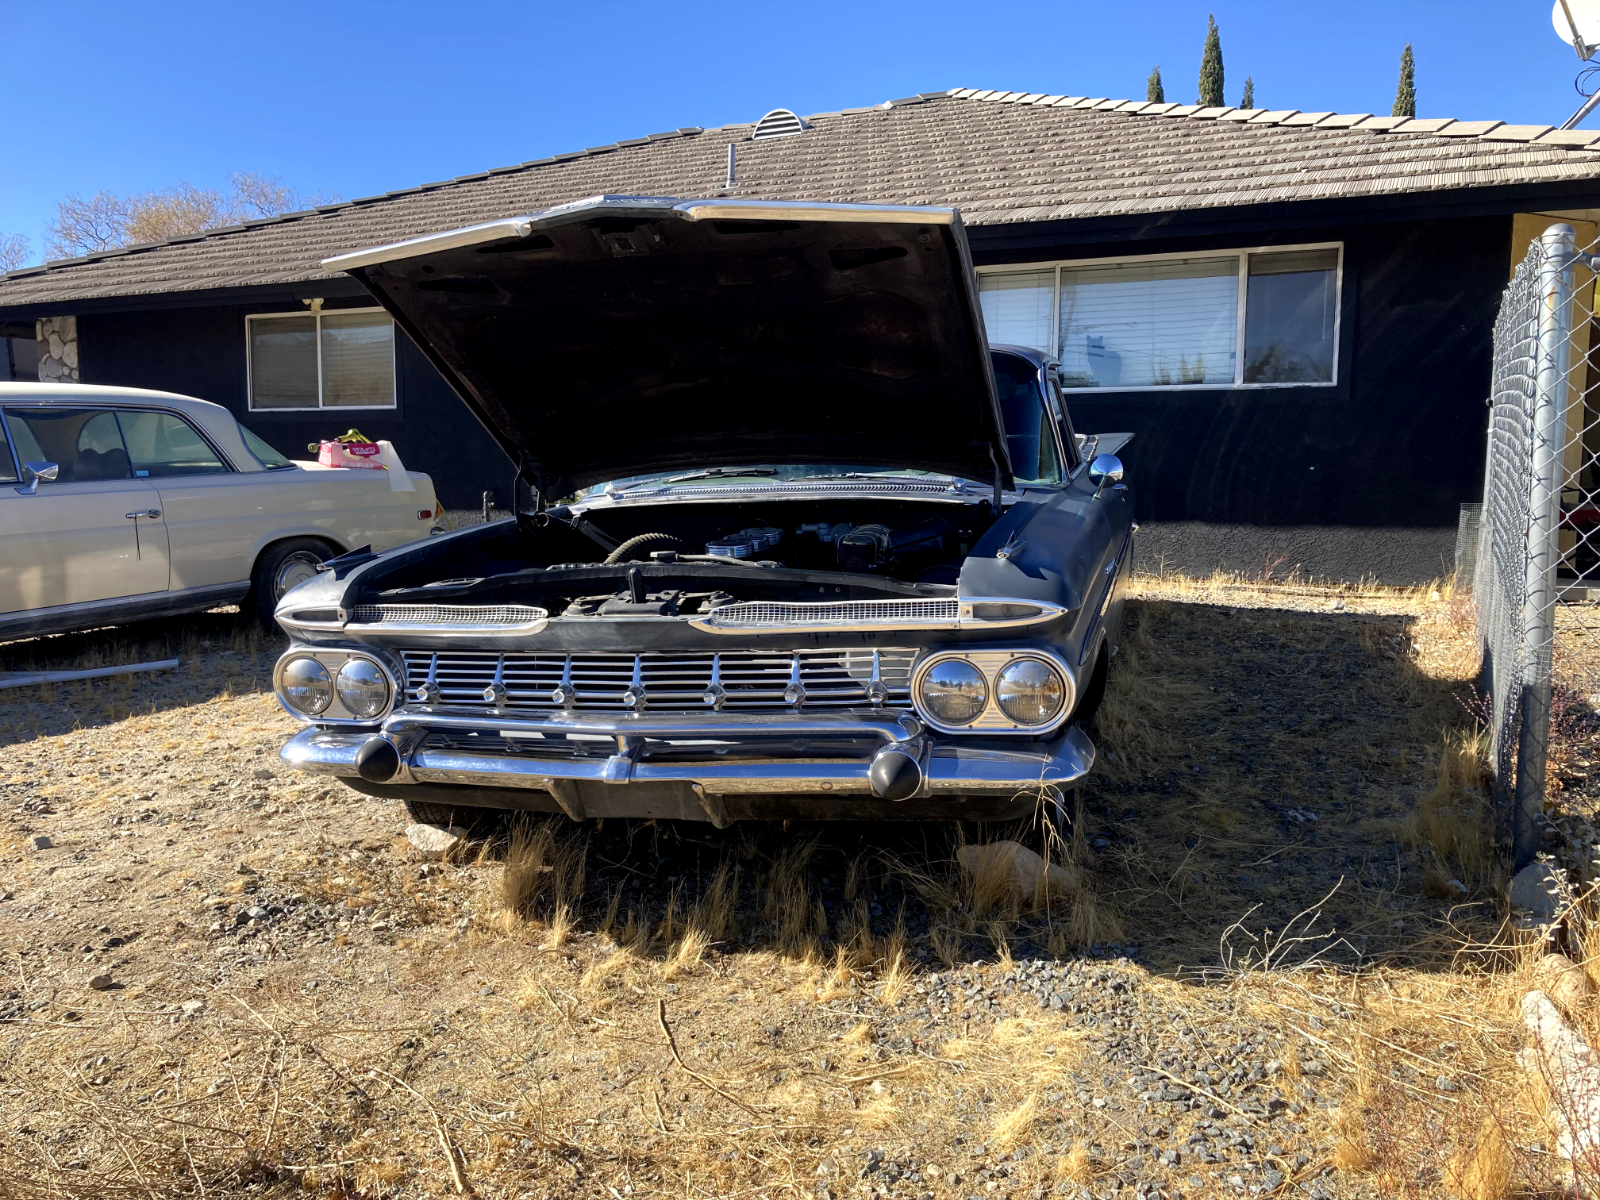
1544 531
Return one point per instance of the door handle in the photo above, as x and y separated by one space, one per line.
152 513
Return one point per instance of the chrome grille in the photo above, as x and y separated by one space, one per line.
456 616
756 614
670 682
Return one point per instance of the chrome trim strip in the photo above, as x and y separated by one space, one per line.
950 769
990 662
472 235
942 613
494 620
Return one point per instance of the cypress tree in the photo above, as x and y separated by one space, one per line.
1248 100
1154 93
1211 67
1405 95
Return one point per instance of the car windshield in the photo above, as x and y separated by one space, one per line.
784 472
265 454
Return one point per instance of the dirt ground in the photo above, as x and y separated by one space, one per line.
1280 966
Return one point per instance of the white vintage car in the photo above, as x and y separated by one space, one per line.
118 504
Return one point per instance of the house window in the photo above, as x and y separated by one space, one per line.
342 359
1248 318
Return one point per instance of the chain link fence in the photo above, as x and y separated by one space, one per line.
1539 533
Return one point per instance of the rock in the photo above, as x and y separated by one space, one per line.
1535 889
434 841
1561 1060
1016 863
100 982
1564 981
42 842
261 773
193 1008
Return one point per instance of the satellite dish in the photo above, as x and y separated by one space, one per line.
1582 14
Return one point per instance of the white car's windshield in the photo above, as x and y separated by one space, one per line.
265 454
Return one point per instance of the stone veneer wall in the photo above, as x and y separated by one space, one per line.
58 349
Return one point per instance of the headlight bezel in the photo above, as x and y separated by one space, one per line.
974 675
346 686
1053 675
990 663
333 660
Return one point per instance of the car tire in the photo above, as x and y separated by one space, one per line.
466 816
1089 702
280 567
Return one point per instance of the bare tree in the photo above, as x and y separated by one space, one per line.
85 226
108 222
180 210
14 251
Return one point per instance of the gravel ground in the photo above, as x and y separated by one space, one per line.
231 979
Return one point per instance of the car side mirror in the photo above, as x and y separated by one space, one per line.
1106 468
46 471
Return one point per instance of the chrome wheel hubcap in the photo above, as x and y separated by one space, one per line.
296 569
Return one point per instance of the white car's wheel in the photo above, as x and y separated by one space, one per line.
282 567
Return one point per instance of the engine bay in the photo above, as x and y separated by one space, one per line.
670 560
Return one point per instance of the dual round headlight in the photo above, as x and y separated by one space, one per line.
309 689
1028 691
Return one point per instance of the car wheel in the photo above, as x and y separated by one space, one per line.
282 567
466 816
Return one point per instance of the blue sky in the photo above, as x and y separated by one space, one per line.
356 98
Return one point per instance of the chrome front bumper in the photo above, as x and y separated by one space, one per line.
729 754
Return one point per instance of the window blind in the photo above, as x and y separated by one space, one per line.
1149 324
357 360
283 363
1017 308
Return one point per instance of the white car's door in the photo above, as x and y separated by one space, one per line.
94 532
215 517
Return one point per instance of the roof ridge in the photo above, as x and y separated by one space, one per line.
1492 131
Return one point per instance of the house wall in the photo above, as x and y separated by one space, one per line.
201 352
1398 442
1235 478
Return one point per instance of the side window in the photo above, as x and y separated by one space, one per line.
162 445
1069 435
85 443
8 465
1030 437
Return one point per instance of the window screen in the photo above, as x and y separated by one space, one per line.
357 360
1290 310
1017 308
84 443
1149 324
162 445
283 363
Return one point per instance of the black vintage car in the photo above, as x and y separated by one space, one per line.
792 539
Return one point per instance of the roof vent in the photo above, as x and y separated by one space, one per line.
780 122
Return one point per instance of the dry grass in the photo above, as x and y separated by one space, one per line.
510 1033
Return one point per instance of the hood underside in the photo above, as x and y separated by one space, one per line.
625 335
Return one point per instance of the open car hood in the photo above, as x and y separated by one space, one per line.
623 335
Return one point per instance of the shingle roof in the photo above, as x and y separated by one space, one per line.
998 156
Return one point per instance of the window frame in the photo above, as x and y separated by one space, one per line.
1242 253
46 404
250 374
